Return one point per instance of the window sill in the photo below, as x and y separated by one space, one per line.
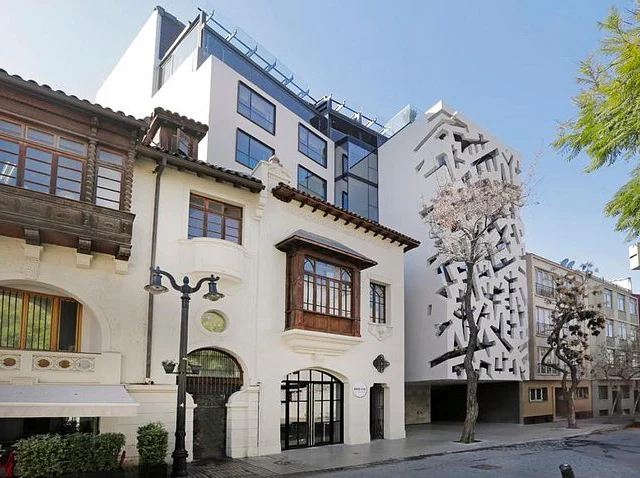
319 343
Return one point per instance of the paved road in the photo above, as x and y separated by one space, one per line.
615 454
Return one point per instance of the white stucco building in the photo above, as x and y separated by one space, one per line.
439 147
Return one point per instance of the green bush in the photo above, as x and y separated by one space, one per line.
107 448
153 443
80 453
40 456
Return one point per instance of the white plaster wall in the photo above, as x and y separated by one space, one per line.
129 86
409 177
255 308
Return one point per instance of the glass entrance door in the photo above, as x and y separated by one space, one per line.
311 410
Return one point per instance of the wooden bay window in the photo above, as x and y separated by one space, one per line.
323 284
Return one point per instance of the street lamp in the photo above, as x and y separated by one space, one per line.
180 453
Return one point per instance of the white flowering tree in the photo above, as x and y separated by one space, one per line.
573 322
463 221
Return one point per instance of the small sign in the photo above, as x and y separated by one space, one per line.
359 389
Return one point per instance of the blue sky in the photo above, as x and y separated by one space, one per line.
509 66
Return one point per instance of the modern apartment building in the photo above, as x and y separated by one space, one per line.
541 396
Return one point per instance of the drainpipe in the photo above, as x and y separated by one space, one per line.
159 169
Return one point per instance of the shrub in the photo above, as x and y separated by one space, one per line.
107 448
40 456
153 443
80 453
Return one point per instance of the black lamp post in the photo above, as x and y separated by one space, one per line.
180 453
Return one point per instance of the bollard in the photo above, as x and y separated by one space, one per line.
566 471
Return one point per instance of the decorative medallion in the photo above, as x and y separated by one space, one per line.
64 363
213 321
380 363
9 361
43 363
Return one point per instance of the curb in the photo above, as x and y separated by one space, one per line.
390 461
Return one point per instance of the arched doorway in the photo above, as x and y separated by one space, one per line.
311 409
219 377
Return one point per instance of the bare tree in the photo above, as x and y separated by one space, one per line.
573 322
463 221
619 366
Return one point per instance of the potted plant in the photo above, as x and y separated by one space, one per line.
168 365
153 443
195 368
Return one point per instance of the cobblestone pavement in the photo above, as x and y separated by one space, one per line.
614 454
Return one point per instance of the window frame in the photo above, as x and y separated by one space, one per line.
326 146
624 303
306 189
582 393
254 92
538 394
607 294
54 329
205 210
113 167
542 288
240 131
343 312
373 307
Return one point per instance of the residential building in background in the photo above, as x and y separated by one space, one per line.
542 395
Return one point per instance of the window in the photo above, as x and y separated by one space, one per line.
39 322
538 394
327 288
582 393
621 302
108 179
209 218
345 200
633 306
608 298
311 183
312 145
377 303
603 392
250 151
544 283
610 332
545 369
626 393
256 108
183 143
38 168
543 321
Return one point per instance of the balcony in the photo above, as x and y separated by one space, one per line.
544 290
546 370
42 366
42 218
204 255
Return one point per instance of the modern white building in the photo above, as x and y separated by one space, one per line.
439 147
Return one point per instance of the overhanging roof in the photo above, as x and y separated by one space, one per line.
306 238
68 400
287 193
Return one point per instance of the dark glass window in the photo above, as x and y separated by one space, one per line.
256 108
209 218
377 303
312 145
311 183
327 288
345 200
250 151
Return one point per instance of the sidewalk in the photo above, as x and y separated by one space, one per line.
422 440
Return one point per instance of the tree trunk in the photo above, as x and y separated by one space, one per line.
570 398
469 429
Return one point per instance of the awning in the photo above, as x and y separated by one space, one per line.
27 401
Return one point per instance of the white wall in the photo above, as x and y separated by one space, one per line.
129 86
409 177
254 304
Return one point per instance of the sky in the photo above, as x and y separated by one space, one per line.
510 66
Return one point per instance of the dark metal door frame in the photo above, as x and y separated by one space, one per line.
376 412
